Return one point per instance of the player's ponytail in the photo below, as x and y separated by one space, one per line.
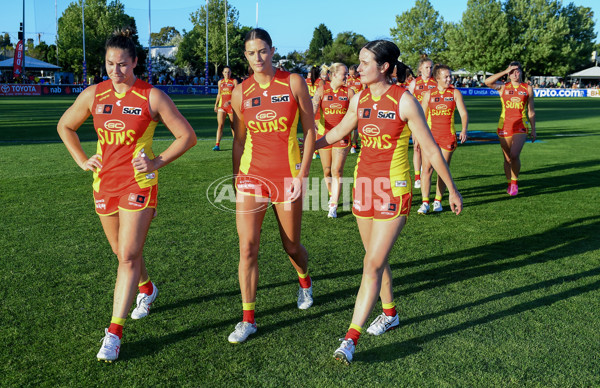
384 51
122 38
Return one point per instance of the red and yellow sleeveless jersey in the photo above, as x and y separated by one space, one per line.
354 84
514 107
124 127
440 116
384 140
422 86
271 116
334 106
226 88
312 88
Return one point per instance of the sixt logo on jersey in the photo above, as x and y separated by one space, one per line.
448 98
364 113
280 98
523 93
132 110
386 114
343 98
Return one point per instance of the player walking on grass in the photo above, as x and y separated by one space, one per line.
223 104
268 165
126 111
382 186
418 87
439 106
513 127
333 100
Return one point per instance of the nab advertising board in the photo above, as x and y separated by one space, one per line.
55 90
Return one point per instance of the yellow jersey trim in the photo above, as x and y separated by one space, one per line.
281 83
139 95
391 98
104 92
120 95
250 89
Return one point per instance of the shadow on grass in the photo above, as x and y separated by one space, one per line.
405 348
530 186
566 240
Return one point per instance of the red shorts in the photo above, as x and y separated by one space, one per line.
227 109
275 190
508 132
446 142
379 204
136 199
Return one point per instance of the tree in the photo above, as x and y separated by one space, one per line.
5 40
101 19
345 48
580 40
480 41
420 30
322 37
165 37
537 30
192 50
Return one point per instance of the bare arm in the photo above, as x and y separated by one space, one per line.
316 100
411 86
464 117
492 80
239 128
218 97
70 122
347 125
531 113
163 108
411 111
307 118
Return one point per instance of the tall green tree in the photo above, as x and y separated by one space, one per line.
322 38
345 48
481 40
581 36
101 19
165 37
538 29
420 30
192 50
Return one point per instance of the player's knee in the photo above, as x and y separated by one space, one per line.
248 251
327 172
373 268
293 249
129 258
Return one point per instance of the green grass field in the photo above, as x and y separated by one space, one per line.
506 294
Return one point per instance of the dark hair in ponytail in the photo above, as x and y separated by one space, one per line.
122 39
259 33
384 51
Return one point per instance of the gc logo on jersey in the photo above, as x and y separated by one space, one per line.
131 110
280 98
386 114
